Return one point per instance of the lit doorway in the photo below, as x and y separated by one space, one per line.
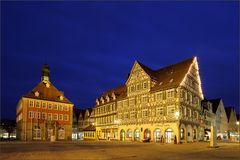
137 135
169 136
122 135
147 134
157 135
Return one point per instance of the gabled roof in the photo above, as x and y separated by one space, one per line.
117 91
215 104
172 76
50 93
166 78
228 111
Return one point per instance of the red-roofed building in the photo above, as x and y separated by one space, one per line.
44 112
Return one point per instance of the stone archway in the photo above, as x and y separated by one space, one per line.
189 133
122 135
129 134
169 136
137 134
147 134
157 136
183 134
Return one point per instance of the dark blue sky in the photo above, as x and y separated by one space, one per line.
91 46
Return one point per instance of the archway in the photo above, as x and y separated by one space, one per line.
157 135
189 133
194 133
129 134
122 135
147 134
182 134
169 136
137 135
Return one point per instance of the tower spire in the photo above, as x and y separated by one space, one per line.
45 73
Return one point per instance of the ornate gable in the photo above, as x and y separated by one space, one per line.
138 80
192 80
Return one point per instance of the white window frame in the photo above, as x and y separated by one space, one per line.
50 116
50 107
44 105
61 117
66 117
55 116
55 106
31 114
44 115
31 103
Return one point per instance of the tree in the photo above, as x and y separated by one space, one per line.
8 125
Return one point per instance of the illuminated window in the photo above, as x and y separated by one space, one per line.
38 115
31 114
49 116
159 111
144 99
171 110
49 106
145 113
170 94
132 88
44 105
138 87
30 103
126 115
65 108
60 107
55 116
144 85
55 107
159 96
65 117
133 114
44 116
37 104
60 117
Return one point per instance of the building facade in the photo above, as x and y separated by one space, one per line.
221 120
208 118
157 105
44 112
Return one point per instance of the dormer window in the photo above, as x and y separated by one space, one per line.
36 93
47 85
107 98
113 96
61 98
102 99
97 101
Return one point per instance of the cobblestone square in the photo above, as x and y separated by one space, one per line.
84 150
